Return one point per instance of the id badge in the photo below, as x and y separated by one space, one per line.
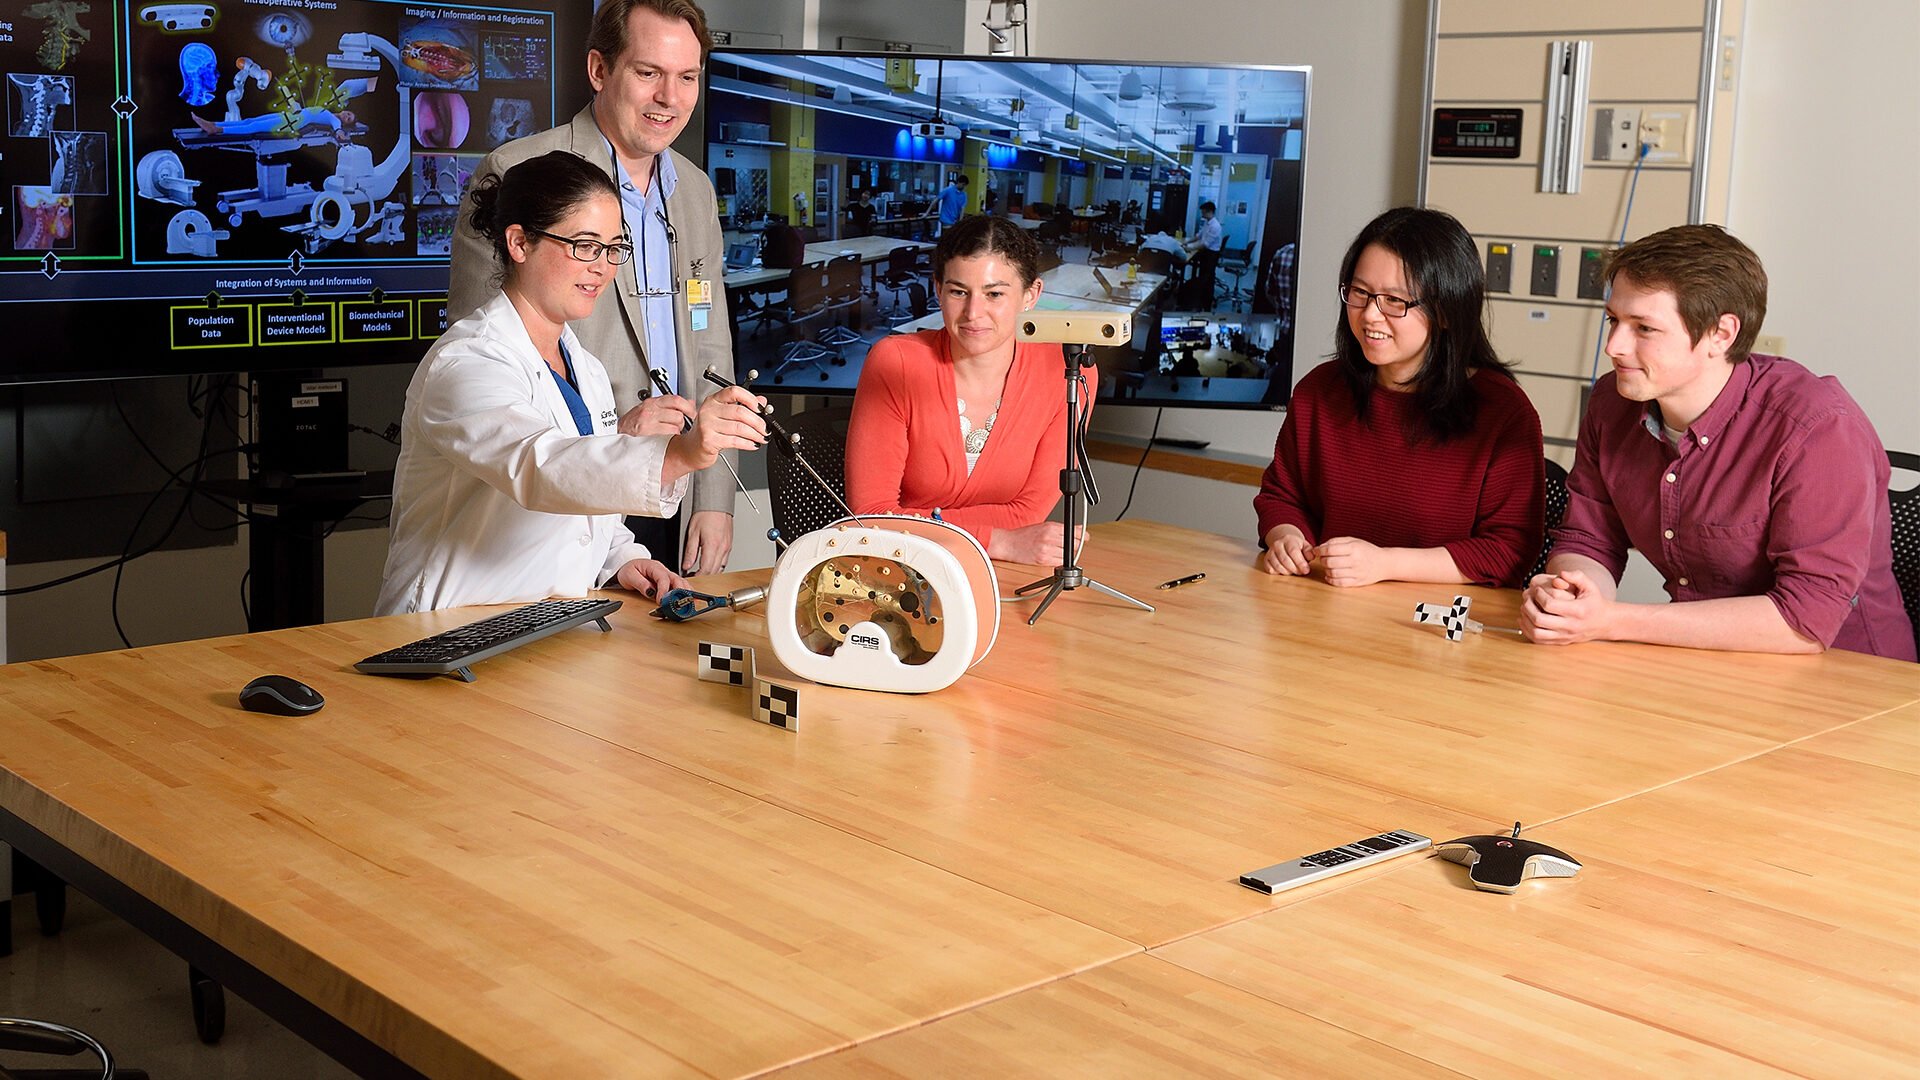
699 294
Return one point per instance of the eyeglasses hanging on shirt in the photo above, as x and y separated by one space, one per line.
646 289
643 286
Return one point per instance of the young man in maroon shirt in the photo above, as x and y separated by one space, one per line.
1756 488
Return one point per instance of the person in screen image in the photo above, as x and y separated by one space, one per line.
1757 488
860 214
1203 252
1412 455
953 201
514 466
966 419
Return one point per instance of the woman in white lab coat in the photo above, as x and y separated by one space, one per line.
515 468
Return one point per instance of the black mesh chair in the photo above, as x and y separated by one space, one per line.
1906 535
1556 509
799 506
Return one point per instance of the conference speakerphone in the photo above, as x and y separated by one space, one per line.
1336 860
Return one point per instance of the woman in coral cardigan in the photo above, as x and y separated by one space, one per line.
965 419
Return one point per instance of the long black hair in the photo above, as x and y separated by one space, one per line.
1443 269
534 195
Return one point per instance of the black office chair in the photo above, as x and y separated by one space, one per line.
1556 510
809 300
799 506
1052 235
1906 536
905 275
1238 265
844 296
41 1037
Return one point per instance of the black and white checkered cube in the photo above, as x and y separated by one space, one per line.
777 704
723 663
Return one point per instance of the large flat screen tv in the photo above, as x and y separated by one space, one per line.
251 185
820 157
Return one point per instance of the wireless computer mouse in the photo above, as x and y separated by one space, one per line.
1501 863
281 696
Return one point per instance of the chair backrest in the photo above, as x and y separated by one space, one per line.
843 280
808 290
1556 509
1154 260
783 247
903 264
1906 536
799 506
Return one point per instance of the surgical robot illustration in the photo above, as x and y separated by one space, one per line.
310 111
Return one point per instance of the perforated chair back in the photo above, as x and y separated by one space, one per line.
1906 535
799 506
1556 510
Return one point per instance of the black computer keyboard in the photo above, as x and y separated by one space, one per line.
450 652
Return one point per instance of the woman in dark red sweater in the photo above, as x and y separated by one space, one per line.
1412 455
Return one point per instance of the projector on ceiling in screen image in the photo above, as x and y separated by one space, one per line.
936 131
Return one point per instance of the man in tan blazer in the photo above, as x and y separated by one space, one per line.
644 59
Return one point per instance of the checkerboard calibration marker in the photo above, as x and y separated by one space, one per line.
723 663
1453 619
777 704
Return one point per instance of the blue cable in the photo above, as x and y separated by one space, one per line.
1633 185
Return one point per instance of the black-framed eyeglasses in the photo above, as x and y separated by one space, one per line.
1393 307
589 250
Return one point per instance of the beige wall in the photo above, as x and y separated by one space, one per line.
1826 188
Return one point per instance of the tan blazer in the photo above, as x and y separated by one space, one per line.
611 332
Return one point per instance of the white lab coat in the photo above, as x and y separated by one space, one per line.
496 499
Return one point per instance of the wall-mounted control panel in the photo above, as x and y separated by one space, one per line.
1475 133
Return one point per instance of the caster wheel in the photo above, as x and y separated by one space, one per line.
209 1007
50 904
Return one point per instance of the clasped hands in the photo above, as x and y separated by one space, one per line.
1345 561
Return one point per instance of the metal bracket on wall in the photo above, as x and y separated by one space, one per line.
1569 71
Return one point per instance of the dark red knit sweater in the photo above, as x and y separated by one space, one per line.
1482 496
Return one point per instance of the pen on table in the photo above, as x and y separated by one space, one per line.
1179 581
660 380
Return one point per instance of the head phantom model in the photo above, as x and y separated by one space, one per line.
881 602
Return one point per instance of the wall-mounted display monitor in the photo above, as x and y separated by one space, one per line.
825 161
251 185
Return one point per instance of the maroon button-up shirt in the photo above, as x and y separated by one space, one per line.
1779 490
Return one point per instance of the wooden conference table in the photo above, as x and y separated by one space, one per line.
587 863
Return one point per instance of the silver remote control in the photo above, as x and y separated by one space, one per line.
1374 849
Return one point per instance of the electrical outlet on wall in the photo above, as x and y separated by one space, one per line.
1668 133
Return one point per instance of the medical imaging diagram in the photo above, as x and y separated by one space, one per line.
272 134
